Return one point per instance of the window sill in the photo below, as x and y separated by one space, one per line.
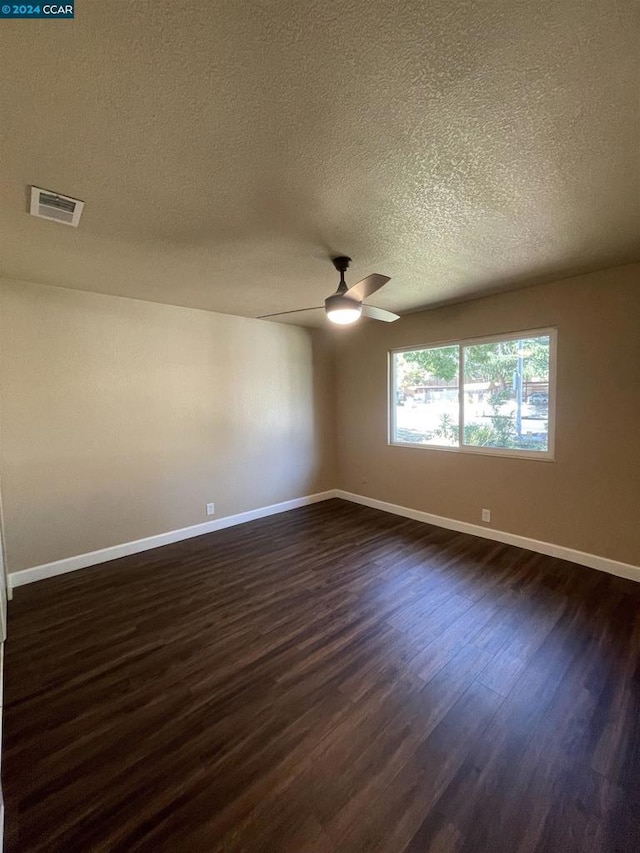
537 455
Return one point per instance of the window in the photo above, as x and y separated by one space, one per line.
490 395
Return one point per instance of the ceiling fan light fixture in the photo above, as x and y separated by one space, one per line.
341 310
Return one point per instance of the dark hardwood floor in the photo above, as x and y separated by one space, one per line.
328 680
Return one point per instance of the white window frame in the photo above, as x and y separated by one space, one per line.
541 455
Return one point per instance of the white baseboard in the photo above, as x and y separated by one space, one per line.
93 558
603 564
82 561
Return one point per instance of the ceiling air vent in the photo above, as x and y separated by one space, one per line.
49 205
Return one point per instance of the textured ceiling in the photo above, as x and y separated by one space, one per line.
226 150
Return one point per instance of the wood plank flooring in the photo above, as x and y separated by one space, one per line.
330 680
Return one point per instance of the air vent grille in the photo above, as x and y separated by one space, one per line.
60 208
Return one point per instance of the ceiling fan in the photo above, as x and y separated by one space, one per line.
346 305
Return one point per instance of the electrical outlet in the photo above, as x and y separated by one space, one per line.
486 515
211 509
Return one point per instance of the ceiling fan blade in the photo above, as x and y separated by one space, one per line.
379 314
296 311
367 286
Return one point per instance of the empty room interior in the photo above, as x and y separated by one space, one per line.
319 427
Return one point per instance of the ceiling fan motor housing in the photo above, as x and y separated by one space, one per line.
339 305
338 301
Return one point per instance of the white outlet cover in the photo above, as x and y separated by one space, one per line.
211 508
486 515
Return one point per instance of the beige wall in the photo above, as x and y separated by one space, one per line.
121 419
589 498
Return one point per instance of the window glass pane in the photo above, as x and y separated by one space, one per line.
506 394
425 396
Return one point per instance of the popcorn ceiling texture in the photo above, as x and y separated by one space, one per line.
225 150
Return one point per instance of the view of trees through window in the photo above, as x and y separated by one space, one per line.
505 394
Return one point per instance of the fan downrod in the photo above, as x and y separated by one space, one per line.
341 264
